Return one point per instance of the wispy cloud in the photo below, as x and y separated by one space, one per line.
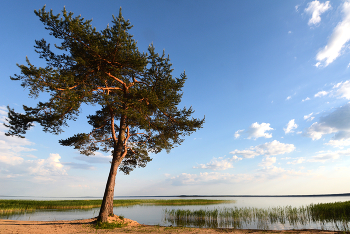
337 41
309 117
315 9
321 93
268 149
255 131
306 99
342 89
209 178
290 126
329 155
219 164
297 161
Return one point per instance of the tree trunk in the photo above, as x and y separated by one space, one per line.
107 202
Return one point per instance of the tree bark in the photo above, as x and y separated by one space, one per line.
107 202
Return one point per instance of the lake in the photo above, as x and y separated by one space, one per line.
155 215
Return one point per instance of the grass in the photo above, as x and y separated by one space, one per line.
106 225
332 214
18 206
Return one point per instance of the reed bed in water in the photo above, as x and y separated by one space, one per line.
333 215
15 206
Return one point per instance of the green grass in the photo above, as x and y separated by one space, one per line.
106 225
336 214
15 206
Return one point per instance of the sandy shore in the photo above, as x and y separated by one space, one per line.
86 226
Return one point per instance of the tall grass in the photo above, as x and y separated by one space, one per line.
17 206
333 216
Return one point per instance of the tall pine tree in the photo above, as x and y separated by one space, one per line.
137 94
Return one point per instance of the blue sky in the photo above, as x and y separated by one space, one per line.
270 77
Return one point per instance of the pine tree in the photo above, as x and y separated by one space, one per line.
136 91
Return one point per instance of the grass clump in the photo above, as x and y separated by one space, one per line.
107 225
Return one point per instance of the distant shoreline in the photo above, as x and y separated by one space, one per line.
199 196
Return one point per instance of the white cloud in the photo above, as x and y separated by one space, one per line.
339 37
290 126
321 93
267 149
267 162
256 130
308 117
289 97
237 133
339 143
209 178
297 161
219 164
306 99
289 32
317 130
315 9
336 122
329 155
40 169
297 8
342 89
97 158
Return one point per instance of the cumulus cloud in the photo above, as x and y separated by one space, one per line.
315 9
309 117
255 131
336 122
41 169
289 97
268 149
306 99
219 164
290 126
338 39
321 93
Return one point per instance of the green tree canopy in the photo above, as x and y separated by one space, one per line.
136 91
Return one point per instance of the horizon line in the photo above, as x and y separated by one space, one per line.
310 195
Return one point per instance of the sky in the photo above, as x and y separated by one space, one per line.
272 79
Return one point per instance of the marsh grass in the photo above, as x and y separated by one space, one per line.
20 206
335 216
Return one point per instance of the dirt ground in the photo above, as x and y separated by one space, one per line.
87 226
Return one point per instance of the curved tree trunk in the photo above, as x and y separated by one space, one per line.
107 202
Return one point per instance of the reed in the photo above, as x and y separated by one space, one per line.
336 215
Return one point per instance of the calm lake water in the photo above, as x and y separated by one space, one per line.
155 215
